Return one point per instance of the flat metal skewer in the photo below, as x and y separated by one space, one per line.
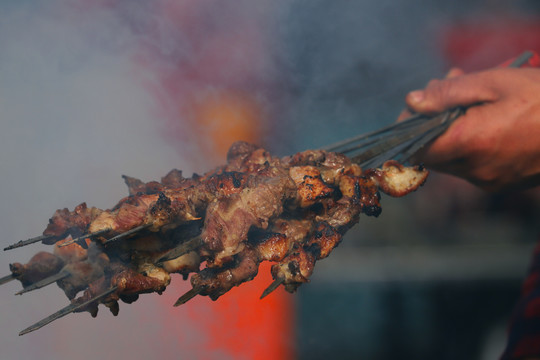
82 237
29 241
127 233
181 249
430 135
7 279
398 147
44 282
67 310
408 123
394 141
187 296
273 286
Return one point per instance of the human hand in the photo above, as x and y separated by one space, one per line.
496 143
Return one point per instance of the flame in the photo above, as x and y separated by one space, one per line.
203 84
241 324
225 117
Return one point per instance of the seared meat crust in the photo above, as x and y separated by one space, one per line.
291 211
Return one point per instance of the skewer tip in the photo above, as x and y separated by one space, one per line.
66 310
273 286
187 296
28 242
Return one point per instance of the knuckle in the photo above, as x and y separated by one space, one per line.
437 92
432 84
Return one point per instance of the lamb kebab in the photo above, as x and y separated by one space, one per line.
291 211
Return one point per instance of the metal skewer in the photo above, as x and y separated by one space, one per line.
67 310
7 279
273 286
187 296
86 236
44 282
29 241
127 233
181 249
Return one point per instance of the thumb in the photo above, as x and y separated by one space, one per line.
460 90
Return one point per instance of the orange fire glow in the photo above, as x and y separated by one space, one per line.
242 324
207 102
225 117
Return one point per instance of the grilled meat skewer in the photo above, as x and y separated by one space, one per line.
218 227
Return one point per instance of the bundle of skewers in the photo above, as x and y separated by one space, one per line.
214 229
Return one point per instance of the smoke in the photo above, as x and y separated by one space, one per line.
74 117
93 90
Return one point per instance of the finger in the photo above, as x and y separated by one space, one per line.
454 72
405 113
458 90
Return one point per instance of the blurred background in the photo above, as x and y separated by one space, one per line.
93 90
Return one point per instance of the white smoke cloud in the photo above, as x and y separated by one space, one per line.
75 114
73 118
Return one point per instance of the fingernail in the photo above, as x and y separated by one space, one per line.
416 96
